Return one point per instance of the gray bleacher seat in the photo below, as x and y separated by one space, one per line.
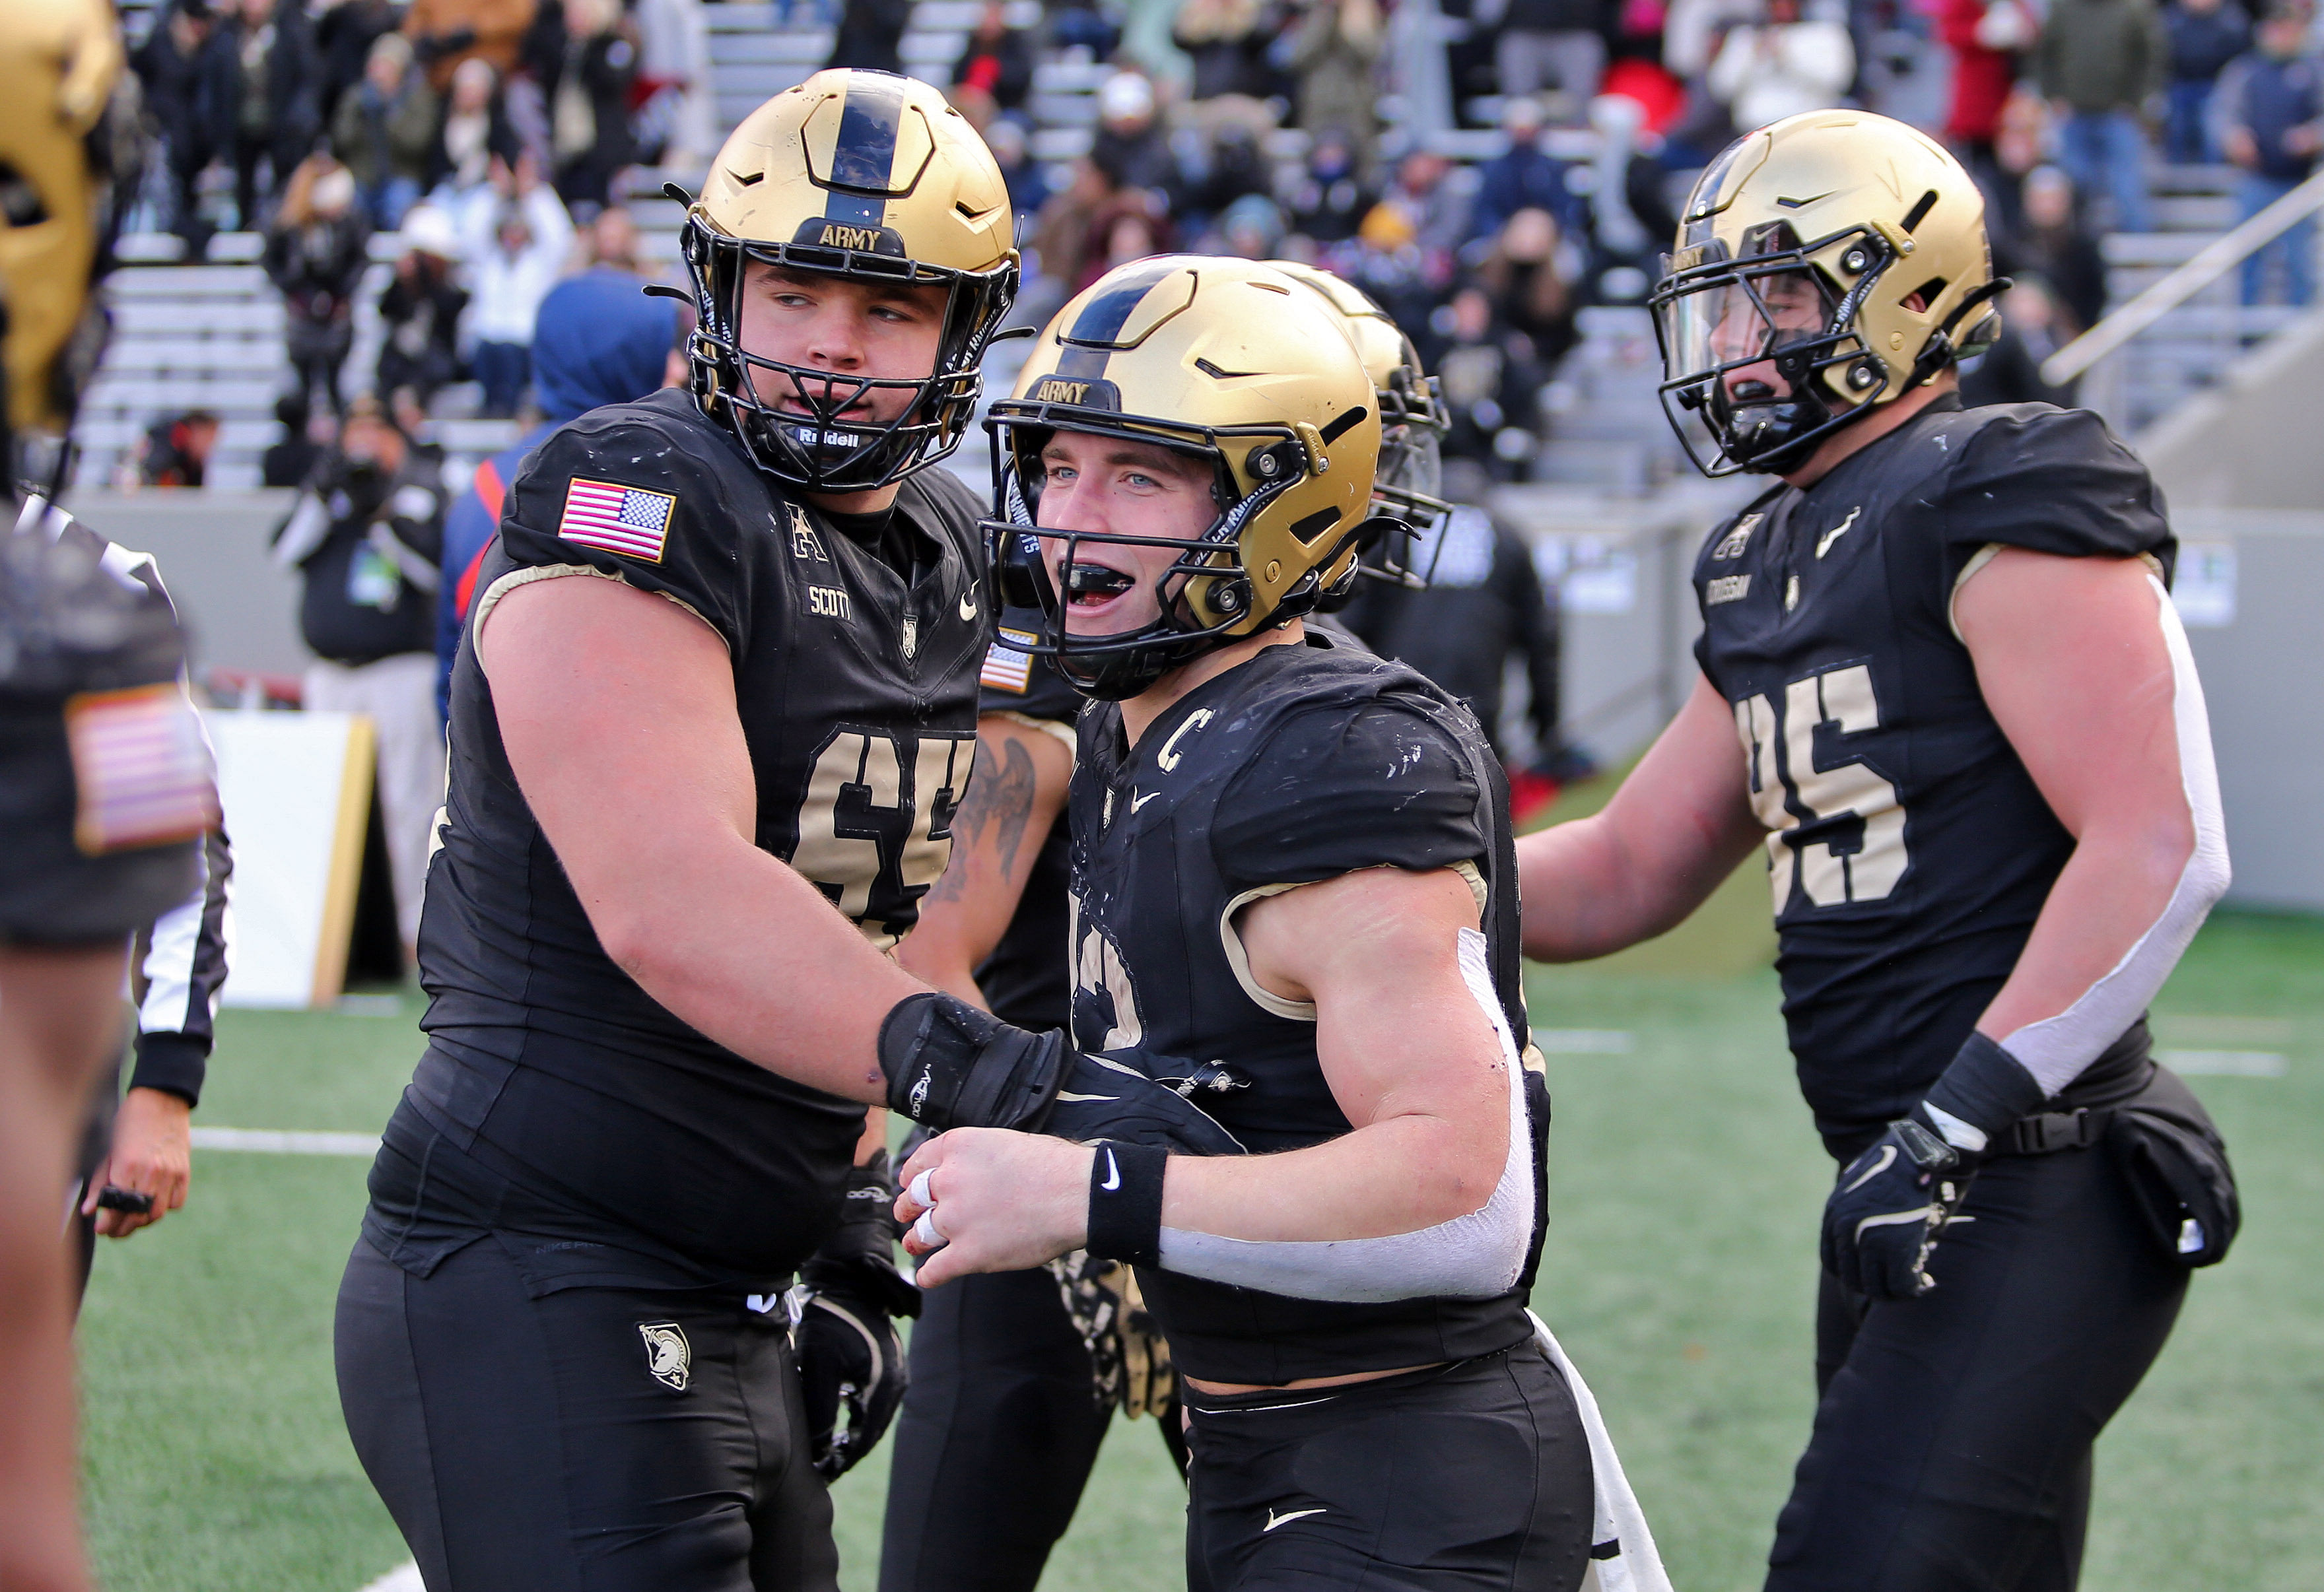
197 356
155 315
812 45
1061 144
190 282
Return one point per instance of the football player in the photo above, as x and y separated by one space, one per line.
104 778
1944 688
1293 856
711 719
1015 1375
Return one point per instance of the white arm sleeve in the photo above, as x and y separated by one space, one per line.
1473 1257
2056 1049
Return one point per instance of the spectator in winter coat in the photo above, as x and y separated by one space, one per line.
419 308
870 35
597 340
1552 46
278 110
1780 67
997 59
2205 35
589 103
176 451
473 132
2271 113
315 253
1525 175
1986 37
1130 147
446 32
191 73
510 274
2051 242
345 32
1335 51
385 132
2100 61
1226 40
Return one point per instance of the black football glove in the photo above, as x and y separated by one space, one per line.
1893 1202
849 1356
950 1065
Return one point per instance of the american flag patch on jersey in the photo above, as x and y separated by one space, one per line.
625 519
141 769
1009 668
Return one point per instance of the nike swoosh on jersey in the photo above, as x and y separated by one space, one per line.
1887 1159
1274 1520
1824 544
1112 1178
1142 801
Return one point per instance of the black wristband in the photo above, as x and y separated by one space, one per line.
174 1063
1125 1203
951 1065
1986 1087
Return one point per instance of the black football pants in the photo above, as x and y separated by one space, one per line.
995 1440
527 1445
1951 1450
1474 1477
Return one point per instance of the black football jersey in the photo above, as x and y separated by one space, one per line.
1303 764
1909 850
857 697
1024 981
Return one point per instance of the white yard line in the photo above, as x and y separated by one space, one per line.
270 1141
1584 1042
2223 1063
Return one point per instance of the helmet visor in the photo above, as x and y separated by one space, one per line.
1757 331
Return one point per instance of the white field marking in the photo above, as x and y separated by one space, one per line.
1584 1042
269 1141
2227 1030
2223 1063
406 1579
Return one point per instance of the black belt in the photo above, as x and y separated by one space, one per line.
2053 1131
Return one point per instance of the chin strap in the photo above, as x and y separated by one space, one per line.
1939 351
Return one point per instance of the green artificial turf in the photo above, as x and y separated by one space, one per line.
1679 1273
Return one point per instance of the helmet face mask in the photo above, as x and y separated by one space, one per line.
1826 265
1226 364
873 179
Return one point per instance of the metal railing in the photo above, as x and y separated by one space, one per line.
2231 249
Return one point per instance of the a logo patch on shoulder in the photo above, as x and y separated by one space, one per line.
670 1358
1733 544
1008 666
615 518
141 769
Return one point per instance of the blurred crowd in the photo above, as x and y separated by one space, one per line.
492 136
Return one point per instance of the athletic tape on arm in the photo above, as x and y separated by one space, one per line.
2056 1049
1477 1256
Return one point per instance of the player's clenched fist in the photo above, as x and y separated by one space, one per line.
991 1200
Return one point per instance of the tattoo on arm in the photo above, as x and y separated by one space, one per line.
1002 794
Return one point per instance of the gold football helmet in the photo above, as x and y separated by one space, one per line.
1413 421
1227 362
858 174
58 63
1826 264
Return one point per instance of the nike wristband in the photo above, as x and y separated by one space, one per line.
1125 1203
1984 1088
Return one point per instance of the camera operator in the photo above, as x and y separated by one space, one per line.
367 538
